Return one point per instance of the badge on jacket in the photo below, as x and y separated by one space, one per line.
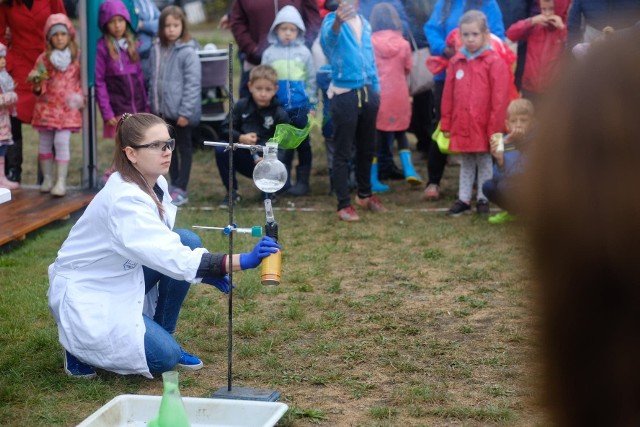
129 265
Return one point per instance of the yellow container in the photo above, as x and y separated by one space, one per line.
271 269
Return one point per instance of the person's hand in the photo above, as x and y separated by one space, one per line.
555 21
449 51
539 20
182 121
222 283
112 121
224 23
250 138
446 134
265 247
516 134
344 12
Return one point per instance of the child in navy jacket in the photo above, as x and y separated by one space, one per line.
254 122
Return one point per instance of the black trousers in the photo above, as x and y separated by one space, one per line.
437 161
354 124
13 159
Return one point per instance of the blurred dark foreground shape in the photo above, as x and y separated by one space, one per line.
583 215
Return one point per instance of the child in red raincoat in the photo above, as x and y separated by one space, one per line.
474 106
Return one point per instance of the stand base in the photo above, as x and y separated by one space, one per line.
247 393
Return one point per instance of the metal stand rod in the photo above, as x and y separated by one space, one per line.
252 148
231 202
240 393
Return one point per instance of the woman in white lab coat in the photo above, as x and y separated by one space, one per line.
121 276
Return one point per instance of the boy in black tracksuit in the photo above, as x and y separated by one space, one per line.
254 122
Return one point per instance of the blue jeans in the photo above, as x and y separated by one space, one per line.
161 349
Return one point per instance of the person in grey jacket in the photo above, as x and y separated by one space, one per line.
174 91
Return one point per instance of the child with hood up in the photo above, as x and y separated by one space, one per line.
55 81
119 78
297 87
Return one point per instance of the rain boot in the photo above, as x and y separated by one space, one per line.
410 174
60 189
377 186
4 182
302 182
46 167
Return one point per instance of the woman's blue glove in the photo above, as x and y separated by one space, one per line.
265 247
222 283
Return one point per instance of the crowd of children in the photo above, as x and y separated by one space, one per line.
360 62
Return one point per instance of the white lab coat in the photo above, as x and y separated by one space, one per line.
96 285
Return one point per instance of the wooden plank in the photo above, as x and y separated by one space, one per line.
29 210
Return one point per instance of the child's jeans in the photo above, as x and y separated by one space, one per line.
161 349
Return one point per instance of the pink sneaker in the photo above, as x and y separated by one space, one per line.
432 192
348 214
372 203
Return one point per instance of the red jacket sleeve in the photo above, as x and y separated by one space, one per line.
408 62
500 78
446 107
3 24
57 6
519 30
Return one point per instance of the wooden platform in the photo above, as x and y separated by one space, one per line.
29 210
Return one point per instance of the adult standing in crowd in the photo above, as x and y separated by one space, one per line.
365 7
250 24
587 18
22 31
443 20
418 12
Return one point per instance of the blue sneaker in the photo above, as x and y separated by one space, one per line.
189 361
76 369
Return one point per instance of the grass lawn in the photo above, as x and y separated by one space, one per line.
408 318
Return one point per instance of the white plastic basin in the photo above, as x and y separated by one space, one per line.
132 410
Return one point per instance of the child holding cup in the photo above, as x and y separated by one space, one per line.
507 152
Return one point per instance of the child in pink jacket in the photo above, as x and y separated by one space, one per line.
474 107
393 61
55 81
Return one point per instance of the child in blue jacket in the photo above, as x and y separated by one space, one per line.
345 37
297 87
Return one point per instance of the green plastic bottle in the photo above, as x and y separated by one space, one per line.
172 412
